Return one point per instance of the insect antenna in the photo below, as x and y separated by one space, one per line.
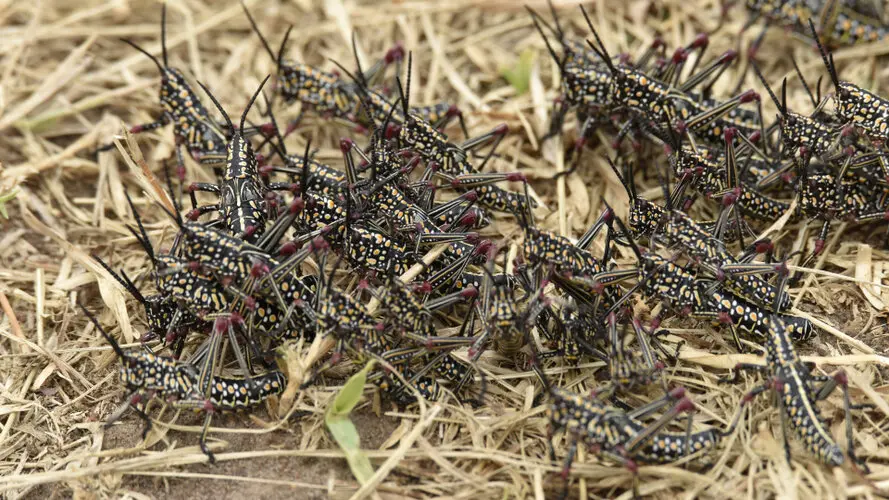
362 84
389 116
360 71
601 51
140 49
131 287
407 87
627 183
265 42
279 60
552 10
280 148
552 52
528 213
109 338
828 59
304 180
177 217
228 121
406 92
143 239
802 80
122 279
250 104
164 34
664 180
818 87
629 235
781 108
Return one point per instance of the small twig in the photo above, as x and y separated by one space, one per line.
13 322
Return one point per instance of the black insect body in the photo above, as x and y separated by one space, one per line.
206 298
402 394
841 22
687 294
368 246
856 106
410 316
586 83
852 28
242 290
388 202
354 330
575 335
720 179
797 396
710 131
844 195
326 93
591 87
620 436
146 375
225 258
193 126
807 135
647 97
329 95
678 230
563 260
451 161
160 312
506 319
226 394
242 191
630 369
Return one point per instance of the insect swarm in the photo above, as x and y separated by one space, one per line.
60 378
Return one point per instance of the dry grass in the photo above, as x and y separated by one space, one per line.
66 85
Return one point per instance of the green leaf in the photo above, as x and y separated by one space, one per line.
350 394
343 430
519 76
7 197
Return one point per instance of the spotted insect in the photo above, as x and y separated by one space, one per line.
629 369
408 311
400 393
678 230
589 85
687 294
241 193
620 436
324 92
797 396
451 161
227 394
841 22
854 105
193 127
165 319
145 375
214 295
645 95
800 131
719 178
346 320
505 319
